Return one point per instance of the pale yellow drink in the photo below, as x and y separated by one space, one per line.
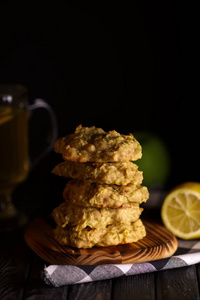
14 159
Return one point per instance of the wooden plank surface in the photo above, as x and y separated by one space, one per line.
101 290
36 288
13 274
180 283
140 286
159 243
198 275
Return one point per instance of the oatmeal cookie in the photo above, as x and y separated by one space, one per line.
80 217
91 144
120 173
108 236
102 195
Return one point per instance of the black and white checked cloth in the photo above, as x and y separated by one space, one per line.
188 253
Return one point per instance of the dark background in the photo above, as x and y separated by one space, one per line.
117 66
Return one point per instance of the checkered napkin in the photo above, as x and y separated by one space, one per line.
188 253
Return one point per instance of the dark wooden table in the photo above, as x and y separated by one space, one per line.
20 268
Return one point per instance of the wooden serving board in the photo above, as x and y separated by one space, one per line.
158 243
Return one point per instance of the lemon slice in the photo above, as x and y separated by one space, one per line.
180 211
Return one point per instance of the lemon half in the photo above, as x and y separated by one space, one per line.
180 211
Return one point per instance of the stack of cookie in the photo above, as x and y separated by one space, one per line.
102 201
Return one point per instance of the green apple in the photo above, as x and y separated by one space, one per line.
155 161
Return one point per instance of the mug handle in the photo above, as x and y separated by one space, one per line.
40 103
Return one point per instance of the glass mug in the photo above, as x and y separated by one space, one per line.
14 152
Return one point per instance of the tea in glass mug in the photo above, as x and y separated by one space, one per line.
14 157
14 152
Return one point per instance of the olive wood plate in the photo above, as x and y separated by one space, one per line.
159 243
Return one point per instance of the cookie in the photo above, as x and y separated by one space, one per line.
80 217
102 195
119 173
108 236
91 144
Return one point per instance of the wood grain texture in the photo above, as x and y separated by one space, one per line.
134 287
180 283
159 243
99 290
36 288
14 268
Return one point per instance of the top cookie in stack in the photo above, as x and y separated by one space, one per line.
91 144
102 201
